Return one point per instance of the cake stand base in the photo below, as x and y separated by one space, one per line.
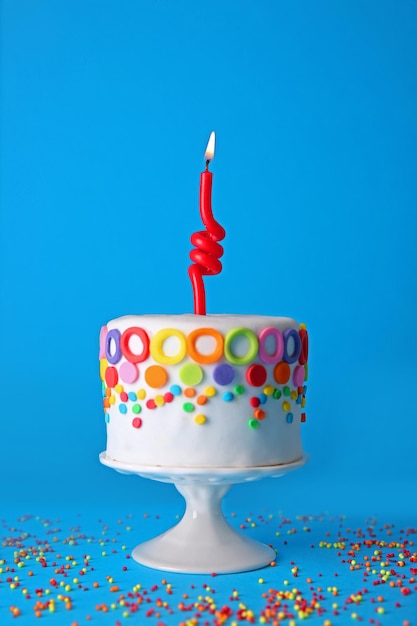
203 542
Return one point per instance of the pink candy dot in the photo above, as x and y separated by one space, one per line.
298 376
137 422
128 372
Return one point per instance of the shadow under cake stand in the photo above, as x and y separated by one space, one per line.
202 541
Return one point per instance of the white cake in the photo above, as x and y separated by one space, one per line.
204 390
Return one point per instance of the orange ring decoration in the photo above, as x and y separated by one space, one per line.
205 359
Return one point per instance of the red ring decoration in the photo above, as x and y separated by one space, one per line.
303 358
124 344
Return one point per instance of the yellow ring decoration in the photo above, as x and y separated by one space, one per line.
157 342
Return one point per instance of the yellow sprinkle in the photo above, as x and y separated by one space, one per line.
209 391
286 406
141 394
261 581
268 390
159 400
200 419
118 388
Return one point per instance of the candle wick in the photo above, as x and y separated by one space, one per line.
207 164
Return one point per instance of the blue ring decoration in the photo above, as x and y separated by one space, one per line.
291 358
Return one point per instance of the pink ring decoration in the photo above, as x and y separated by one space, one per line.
103 336
279 350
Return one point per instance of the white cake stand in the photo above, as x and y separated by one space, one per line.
203 542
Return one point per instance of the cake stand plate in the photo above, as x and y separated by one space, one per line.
203 542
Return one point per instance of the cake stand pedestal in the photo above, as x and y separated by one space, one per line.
203 542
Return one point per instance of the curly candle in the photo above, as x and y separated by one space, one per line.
207 252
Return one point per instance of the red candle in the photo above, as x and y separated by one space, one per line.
207 252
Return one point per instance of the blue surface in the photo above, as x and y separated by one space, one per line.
106 110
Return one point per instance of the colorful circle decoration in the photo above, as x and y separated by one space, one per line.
157 344
156 376
256 375
224 374
252 351
279 345
103 335
111 377
191 374
282 373
205 359
304 347
113 338
124 344
136 422
291 333
128 372
298 376
103 367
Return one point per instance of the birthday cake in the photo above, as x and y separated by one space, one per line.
204 390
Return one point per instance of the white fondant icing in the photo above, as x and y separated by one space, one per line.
169 435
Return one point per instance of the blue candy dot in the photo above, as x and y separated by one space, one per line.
132 396
123 408
289 418
175 390
106 418
228 396
262 398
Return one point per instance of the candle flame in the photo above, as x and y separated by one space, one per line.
209 153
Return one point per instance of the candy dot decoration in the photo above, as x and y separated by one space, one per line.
223 374
156 376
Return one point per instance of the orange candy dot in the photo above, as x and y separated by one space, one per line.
189 392
201 399
156 376
282 373
259 414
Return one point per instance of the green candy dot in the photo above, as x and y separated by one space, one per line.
277 394
188 407
287 391
253 424
239 389
136 408
191 374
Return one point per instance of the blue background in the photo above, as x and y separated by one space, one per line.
106 110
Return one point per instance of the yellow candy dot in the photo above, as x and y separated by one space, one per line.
268 390
210 391
141 394
200 419
118 388
303 403
159 400
303 326
286 406
294 394
112 399
103 367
